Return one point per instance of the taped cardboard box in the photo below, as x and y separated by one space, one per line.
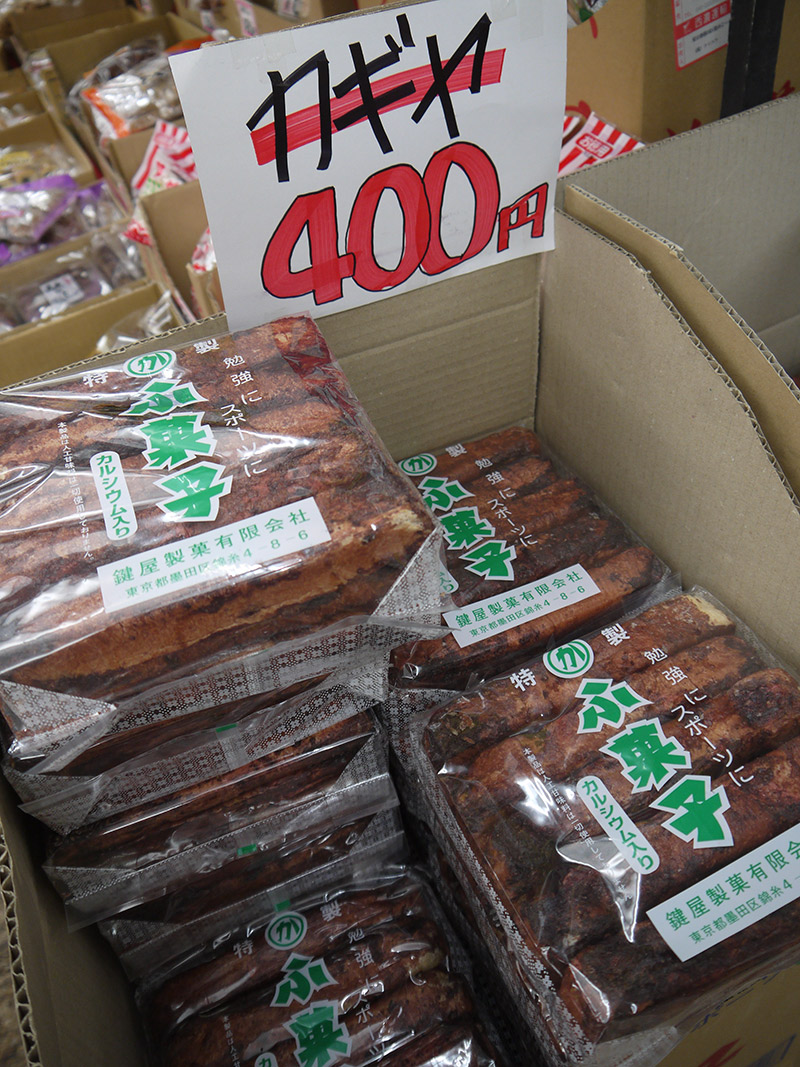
720 245
618 385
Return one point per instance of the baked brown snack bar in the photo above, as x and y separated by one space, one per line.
230 971
396 1019
211 441
631 826
670 625
520 538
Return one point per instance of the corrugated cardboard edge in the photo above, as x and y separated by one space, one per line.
22 1001
713 529
769 389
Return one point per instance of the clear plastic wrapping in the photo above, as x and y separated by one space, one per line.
158 846
218 518
531 556
251 752
624 816
132 89
105 263
361 831
361 952
30 162
78 212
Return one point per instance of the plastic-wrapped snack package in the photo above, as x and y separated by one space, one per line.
359 952
625 812
112 66
173 780
136 98
159 317
27 211
73 279
219 518
168 160
153 847
531 557
411 1010
251 955
10 317
31 162
358 828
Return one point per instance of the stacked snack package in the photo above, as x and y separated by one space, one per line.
531 556
622 818
362 970
208 555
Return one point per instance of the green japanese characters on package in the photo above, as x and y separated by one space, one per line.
188 527
531 556
358 970
624 816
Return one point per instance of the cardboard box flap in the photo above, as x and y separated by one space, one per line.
727 195
73 986
649 417
745 356
432 366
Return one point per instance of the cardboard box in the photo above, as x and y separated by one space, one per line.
38 36
720 247
616 384
44 129
622 63
243 18
176 219
13 81
72 58
28 100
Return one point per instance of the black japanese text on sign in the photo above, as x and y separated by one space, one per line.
390 152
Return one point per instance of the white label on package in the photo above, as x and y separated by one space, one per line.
223 552
504 611
700 28
626 835
362 157
115 499
61 291
732 898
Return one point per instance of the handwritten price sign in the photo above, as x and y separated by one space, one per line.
353 159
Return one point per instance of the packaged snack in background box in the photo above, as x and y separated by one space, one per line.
182 529
627 810
531 555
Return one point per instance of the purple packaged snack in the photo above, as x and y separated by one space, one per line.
27 211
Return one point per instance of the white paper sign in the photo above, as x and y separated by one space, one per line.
358 158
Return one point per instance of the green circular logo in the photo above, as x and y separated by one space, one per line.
569 661
266 1059
447 582
150 363
416 466
286 930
